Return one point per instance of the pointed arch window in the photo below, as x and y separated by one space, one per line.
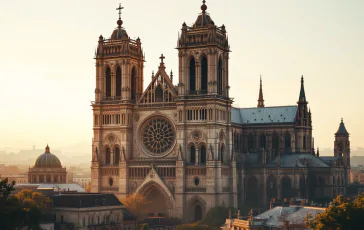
203 154
118 82
108 82
251 144
222 152
287 141
116 155
262 141
107 156
204 74
304 142
193 154
192 75
275 143
219 77
133 83
159 94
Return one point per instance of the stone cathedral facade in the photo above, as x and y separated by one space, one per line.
185 147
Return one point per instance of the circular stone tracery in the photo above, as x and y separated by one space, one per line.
158 135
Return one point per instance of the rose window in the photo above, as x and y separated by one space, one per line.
157 135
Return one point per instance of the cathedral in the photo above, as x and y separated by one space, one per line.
185 147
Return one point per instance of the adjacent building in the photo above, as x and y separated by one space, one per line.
90 211
47 168
186 147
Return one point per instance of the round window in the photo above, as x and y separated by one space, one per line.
157 135
197 181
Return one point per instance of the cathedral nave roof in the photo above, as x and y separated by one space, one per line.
266 115
299 160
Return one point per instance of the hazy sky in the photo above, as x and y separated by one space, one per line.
47 70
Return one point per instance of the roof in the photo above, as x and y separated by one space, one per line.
47 160
294 214
56 187
84 200
300 160
342 130
266 115
127 215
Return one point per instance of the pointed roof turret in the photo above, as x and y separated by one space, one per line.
119 32
204 18
302 97
260 98
342 130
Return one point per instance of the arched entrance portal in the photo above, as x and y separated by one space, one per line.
198 213
158 201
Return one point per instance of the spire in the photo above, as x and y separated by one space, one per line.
302 97
342 130
260 99
171 76
47 149
119 22
318 152
162 62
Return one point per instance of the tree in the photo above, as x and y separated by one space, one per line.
10 208
33 204
136 204
343 213
88 187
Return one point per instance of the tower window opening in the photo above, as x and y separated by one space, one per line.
219 78
108 82
204 75
118 82
192 75
133 85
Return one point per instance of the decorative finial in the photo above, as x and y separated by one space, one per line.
162 58
342 120
119 22
171 76
47 149
203 7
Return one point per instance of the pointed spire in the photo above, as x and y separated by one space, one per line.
171 76
318 152
302 97
47 149
260 99
342 130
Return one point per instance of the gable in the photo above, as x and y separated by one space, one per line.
160 90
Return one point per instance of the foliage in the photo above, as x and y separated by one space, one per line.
343 213
217 216
137 205
10 208
88 187
6 188
24 208
193 226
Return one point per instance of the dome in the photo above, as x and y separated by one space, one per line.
119 33
47 160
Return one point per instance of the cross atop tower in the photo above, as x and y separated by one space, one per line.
119 9
162 58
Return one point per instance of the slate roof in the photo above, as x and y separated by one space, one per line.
294 214
329 160
342 130
84 200
266 115
299 160
127 215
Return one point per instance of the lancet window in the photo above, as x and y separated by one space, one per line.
108 82
204 75
118 82
192 75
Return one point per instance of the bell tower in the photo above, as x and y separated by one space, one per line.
203 58
342 144
204 108
119 85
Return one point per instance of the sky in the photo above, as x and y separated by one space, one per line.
47 70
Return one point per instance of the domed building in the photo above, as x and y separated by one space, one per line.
47 168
